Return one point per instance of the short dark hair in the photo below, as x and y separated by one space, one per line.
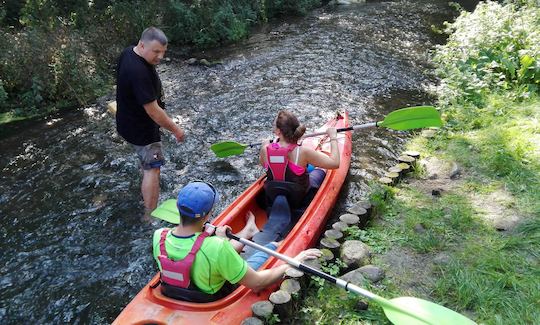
154 34
188 221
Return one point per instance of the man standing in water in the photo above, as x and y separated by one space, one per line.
140 109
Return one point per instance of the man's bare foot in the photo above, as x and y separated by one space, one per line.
251 227
147 217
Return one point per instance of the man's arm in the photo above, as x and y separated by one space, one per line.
258 280
159 116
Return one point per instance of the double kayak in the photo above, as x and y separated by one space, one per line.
150 306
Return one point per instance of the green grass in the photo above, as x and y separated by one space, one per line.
496 276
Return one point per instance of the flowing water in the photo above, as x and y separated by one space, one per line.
74 248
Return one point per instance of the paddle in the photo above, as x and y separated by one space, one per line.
402 119
401 310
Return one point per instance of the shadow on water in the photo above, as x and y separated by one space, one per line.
74 249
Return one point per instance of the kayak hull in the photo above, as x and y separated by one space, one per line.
149 306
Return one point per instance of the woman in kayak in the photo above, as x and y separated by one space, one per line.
286 160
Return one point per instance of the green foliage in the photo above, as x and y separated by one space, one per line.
328 304
379 196
273 319
209 23
45 70
496 47
284 7
32 98
63 53
3 94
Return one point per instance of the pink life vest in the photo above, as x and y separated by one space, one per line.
177 273
278 159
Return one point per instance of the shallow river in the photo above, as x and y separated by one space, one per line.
74 248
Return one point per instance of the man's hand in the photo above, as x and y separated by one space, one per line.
179 134
308 254
221 231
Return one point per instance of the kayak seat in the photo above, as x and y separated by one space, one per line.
292 191
281 195
193 294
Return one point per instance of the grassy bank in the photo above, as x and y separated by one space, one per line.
470 242
457 255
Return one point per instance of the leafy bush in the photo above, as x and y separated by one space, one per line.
48 69
295 7
3 94
496 47
209 23
63 53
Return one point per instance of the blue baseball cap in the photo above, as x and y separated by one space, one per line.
196 199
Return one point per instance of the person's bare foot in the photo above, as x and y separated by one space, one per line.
147 217
251 227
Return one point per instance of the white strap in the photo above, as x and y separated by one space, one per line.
297 154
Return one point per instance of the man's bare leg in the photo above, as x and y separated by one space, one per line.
150 190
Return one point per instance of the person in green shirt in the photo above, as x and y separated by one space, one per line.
217 262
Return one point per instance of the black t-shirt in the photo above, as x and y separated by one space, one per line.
137 83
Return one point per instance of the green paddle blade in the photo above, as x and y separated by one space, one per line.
420 312
412 118
167 211
228 148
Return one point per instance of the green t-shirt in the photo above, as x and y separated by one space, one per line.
215 263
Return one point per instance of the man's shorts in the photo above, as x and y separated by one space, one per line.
150 155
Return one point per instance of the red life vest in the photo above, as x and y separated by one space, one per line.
177 273
278 159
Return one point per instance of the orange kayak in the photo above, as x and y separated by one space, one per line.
151 307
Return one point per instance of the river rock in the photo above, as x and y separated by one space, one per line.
362 305
372 273
252 321
455 172
355 277
355 253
